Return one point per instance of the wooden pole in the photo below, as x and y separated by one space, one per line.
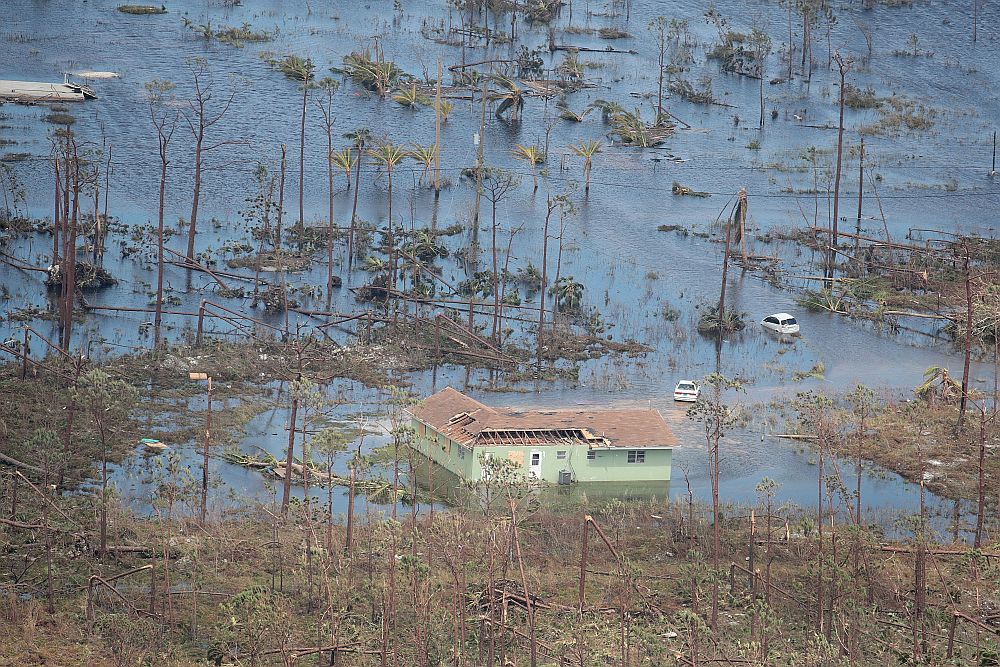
208 440
861 187
583 562
201 324
993 170
437 135
24 357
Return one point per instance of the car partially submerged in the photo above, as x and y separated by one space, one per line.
782 323
687 391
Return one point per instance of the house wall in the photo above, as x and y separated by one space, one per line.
608 465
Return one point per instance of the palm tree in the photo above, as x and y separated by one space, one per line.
512 96
409 97
607 109
344 160
425 156
444 108
388 155
587 150
533 156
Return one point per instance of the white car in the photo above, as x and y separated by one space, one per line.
686 391
782 323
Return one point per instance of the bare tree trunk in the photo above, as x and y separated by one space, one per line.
963 403
981 482
354 209
107 220
290 455
159 255
69 256
196 196
843 66
496 277
55 215
330 227
281 201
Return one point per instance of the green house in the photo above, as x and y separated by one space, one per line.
555 446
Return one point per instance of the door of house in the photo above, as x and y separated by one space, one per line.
535 465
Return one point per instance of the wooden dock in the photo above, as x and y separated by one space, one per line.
34 91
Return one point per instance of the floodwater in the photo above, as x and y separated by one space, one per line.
927 179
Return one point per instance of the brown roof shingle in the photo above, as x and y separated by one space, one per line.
471 423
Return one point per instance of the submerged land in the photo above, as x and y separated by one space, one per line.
246 239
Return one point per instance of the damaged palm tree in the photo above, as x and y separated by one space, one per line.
717 320
511 96
376 74
87 276
632 130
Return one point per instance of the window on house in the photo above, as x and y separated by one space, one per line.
536 458
636 456
561 455
591 454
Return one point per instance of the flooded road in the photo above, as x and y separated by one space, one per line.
631 272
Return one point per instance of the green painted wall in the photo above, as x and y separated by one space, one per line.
608 465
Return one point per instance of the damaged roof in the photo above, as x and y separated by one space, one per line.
470 423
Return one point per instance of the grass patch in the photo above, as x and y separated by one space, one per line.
613 33
817 371
59 118
900 114
680 229
857 98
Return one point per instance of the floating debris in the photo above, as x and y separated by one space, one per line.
35 91
153 445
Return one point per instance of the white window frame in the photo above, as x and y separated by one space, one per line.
637 456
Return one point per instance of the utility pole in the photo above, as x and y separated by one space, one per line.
208 441
437 136
479 164
993 169
861 187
